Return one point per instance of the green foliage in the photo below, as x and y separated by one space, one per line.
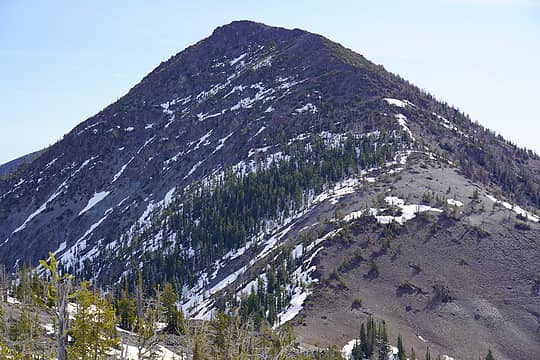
336 276
428 354
356 304
374 269
175 318
9 353
270 297
489 355
126 310
26 327
401 355
442 293
373 341
94 326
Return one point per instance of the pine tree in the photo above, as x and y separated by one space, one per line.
413 354
2 319
384 346
199 345
356 353
401 355
175 317
94 326
363 340
58 294
428 354
148 315
126 310
489 355
371 335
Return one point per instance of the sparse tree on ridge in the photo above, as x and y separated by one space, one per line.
59 293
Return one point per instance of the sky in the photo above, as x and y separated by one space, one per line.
63 61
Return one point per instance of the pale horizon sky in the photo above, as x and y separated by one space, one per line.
64 61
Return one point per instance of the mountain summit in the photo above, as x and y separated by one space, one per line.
276 161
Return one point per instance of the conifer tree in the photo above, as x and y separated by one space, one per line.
94 326
58 293
428 354
372 335
413 354
401 355
384 346
489 355
199 345
175 317
363 340
2 319
126 310
356 353
148 315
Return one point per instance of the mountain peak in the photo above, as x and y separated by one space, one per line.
244 32
247 26
259 146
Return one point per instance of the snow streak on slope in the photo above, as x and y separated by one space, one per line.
94 200
399 103
302 277
402 120
57 193
515 208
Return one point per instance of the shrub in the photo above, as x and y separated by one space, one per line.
374 268
521 217
522 226
442 293
356 304
407 287
415 267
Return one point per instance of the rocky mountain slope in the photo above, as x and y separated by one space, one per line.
275 162
13 165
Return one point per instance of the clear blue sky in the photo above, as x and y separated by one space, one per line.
63 61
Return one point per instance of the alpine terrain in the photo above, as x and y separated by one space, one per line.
279 173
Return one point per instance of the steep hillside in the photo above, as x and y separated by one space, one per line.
269 169
13 165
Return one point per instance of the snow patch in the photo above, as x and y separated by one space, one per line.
308 107
267 61
259 131
453 202
221 143
515 208
121 171
94 200
12 300
237 59
239 88
408 212
205 116
201 141
402 121
398 103
193 168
